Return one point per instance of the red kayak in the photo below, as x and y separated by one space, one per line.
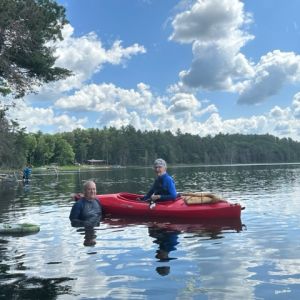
126 204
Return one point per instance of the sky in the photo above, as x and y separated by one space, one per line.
203 67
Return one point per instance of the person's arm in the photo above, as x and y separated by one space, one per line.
75 214
169 182
149 194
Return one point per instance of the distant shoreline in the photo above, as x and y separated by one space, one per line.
5 172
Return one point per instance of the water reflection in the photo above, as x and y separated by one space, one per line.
166 235
15 284
23 287
147 259
166 241
89 236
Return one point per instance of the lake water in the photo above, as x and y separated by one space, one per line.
258 258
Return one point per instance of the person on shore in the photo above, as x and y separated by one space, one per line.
87 211
26 173
163 187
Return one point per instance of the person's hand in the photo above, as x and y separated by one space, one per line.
155 197
75 196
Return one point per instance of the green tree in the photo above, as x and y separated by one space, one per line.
82 142
44 151
28 28
63 152
30 146
6 140
12 143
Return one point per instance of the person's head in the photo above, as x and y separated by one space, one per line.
163 270
89 190
160 166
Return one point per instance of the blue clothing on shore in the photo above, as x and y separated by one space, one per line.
164 186
86 213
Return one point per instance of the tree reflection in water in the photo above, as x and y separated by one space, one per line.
23 287
17 285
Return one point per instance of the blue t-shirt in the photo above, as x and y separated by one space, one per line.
164 186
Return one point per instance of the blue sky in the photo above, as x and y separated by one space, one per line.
205 67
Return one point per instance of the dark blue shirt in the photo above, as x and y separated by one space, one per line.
86 213
164 186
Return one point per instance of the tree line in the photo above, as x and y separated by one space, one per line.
128 146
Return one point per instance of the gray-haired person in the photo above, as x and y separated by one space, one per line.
87 211
163 187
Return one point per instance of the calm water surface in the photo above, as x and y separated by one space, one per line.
257 258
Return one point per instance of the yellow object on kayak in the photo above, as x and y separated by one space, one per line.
199 198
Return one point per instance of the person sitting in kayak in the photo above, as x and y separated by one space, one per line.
163 187
87 211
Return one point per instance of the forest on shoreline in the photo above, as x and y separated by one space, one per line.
128 146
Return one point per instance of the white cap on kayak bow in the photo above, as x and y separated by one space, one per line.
160 163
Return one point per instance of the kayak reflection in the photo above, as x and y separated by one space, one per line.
166 235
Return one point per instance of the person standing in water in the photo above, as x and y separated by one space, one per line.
87 211
26 173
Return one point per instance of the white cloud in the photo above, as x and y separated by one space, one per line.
279 113
271 73
35 118
113 102
139 107
215 28
216 66
283 128
210 20
183 102
296 105
118 55
218 30
84 56
95 97
207 110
